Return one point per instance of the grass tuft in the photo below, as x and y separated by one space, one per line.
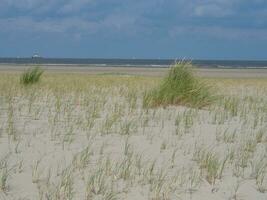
31 76
180 87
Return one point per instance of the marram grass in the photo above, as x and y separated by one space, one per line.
180 87
31 76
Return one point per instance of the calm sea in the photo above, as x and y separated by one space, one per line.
135 62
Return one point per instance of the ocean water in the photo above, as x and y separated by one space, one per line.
135 62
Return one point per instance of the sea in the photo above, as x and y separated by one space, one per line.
134 62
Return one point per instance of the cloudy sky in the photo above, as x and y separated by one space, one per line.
195 29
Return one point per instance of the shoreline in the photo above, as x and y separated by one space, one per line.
138 70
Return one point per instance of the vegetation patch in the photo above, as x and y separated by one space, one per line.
180 87
31 76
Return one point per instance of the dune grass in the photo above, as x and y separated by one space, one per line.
31 76
180 87
80 136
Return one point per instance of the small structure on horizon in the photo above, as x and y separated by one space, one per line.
36 55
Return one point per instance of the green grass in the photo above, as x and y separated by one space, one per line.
180 87
31 76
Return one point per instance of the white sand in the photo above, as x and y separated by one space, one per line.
133 153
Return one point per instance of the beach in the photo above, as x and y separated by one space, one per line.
140 70
84 133
133 100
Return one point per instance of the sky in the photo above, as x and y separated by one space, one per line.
192 29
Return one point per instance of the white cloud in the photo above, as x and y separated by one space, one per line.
73 25
64 6
220 32
74 5
131 16
26 4
26 24
212 10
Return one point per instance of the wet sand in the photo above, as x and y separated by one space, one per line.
143 71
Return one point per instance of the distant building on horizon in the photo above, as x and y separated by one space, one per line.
36 55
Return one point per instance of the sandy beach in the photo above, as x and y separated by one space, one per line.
83 133
143 71
133 100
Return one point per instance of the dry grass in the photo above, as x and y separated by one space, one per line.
75 136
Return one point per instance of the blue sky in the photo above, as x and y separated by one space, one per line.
194 29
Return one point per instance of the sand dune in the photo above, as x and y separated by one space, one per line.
75 136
